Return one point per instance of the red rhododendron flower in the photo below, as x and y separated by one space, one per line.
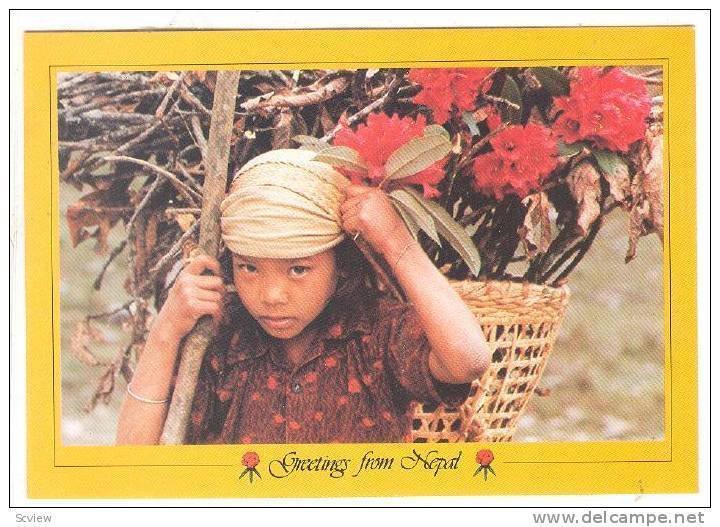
377 140
608 109
522 157
443 88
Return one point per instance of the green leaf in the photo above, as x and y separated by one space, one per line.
469 120
417 154
416 211
408 219
572 149
308 142
436 129
342 156
552 80
511 93
609 162
451 231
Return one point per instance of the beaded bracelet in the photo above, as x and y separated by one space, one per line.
144 399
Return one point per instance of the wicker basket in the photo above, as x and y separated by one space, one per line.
520 322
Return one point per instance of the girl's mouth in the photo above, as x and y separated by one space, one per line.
277 322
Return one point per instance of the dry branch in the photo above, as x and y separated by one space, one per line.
196 343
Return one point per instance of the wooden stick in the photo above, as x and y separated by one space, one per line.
197 341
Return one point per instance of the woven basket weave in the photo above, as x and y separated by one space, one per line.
520 322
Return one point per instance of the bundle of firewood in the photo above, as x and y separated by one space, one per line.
134 143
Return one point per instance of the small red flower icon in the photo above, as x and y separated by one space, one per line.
483 458
250 460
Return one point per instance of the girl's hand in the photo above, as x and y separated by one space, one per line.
192 296
368 211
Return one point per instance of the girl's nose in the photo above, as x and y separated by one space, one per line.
274 294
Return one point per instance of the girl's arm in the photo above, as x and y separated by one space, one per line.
142 422
459 350
191 297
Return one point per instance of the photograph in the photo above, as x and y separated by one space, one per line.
405 255
360 263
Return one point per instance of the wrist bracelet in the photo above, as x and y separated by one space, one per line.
144 399
402 253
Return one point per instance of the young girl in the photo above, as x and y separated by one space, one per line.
308 349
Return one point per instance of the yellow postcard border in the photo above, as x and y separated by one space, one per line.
669 465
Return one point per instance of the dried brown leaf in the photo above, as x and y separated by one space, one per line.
636 227
536 230
615 171
584 184
105 387
646 214
619 183
652 181
126 369
207 78
76 161
82 337
92 210
239 125
185 221
239 131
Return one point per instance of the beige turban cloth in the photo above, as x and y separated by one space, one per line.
283 205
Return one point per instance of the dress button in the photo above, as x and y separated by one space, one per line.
296 387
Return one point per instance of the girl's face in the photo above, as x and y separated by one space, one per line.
285 295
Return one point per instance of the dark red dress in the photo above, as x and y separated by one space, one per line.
354 385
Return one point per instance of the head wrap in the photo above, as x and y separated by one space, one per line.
283 205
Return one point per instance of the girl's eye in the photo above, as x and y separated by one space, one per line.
299 270
247 268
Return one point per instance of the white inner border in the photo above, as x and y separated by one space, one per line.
57 20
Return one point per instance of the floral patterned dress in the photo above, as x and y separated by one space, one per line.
355 384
